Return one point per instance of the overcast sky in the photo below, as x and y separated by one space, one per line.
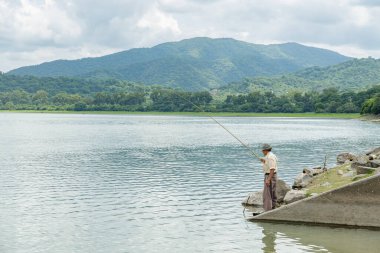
35 31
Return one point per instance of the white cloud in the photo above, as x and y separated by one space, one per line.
29 25
34 31
157 21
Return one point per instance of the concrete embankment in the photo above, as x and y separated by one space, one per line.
356 204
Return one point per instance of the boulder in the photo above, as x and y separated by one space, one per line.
302 180
361 161
317 171
307 171
254 199
375 151
343 157
294 195
281 189
340 172
364 170
375 163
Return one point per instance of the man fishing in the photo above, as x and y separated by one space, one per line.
269 162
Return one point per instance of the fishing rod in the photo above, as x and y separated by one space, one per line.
225 128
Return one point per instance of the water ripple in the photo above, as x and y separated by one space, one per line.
104 183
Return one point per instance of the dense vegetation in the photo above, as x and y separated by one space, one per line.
69 85
192 64
329 100
351 75
168 100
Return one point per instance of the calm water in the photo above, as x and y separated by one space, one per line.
118 183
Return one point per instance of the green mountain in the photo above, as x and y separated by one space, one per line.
356 74
71 85
192 64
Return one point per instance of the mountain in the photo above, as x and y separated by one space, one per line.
192 64
71 85
353 75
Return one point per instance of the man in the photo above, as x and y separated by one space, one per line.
270 170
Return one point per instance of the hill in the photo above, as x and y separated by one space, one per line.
356 74
192 64
54 85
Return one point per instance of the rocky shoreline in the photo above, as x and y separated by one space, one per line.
372 118
314 181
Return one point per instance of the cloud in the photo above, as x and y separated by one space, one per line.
34 31
28 24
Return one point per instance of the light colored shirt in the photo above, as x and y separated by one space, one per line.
270 163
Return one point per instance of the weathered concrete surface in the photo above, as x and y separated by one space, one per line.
356 204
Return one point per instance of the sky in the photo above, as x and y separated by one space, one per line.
36 31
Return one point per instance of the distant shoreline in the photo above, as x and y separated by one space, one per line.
372 118
200 114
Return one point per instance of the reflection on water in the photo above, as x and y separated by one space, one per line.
301 238
269 241
117 183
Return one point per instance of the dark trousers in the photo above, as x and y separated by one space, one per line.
269 193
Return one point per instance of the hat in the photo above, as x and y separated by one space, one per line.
266 147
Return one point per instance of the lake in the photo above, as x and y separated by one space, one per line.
129 183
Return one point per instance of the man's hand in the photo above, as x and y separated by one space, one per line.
267 182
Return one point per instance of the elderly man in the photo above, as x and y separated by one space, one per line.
270 169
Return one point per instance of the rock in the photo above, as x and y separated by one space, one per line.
301 181
361 161
254 199
254 210
307 171
325 184
364 170
294 195
348 174
375 151
317 171
313 194
340 172
314 171
258 211
375 163
343 157
281 189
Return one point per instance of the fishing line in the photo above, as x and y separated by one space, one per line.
228 131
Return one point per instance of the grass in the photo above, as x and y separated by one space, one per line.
335 181
216 114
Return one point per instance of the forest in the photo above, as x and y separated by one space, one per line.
331 100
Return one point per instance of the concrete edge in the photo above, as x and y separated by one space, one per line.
360 181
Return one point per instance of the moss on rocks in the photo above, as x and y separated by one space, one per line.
333 179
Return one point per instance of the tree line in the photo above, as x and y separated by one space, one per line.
330 100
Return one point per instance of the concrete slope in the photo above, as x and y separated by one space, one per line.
356 204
